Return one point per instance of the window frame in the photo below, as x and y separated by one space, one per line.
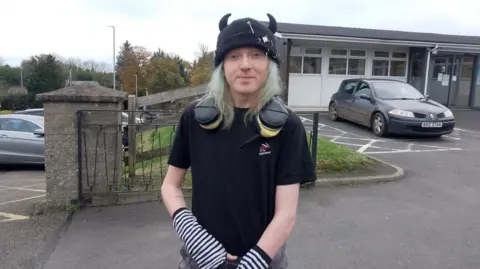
390 59
348 56
302 54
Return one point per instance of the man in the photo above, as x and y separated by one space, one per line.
248 154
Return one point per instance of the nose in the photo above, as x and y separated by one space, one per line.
245 63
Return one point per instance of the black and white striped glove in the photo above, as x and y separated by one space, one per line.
204 249
256 258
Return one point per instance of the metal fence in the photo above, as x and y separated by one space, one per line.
130 152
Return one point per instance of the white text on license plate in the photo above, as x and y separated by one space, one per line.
431 124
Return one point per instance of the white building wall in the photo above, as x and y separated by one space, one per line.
313 90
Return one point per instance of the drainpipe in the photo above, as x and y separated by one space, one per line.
429 51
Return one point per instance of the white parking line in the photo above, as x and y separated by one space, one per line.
21 200
451 137
366 146
337 136
3 188
412 151
22 180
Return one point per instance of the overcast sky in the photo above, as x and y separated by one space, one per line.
77 28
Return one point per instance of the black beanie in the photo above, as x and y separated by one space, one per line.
246 32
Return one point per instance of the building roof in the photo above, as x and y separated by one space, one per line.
322 30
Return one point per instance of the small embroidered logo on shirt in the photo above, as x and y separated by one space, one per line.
264 149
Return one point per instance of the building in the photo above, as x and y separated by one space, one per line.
316 58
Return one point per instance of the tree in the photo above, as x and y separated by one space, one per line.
45 73
202 67
9 77
125 50
135 68
164 75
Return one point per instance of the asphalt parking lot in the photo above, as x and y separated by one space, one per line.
18 189
359 138
25 240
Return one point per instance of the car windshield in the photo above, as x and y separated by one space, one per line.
396 90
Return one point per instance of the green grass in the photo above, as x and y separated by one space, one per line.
151 169
4 112
331 158
335 158
157 138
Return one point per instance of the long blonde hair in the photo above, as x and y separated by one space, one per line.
218 89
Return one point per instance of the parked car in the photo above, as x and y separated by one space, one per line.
39 112
21 139
31 111
389 106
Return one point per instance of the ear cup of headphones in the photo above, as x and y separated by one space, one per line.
271 118
207 114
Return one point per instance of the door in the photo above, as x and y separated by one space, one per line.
460 89
18 143
362 107
442 77
345 98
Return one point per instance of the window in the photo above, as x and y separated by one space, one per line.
387 63
349 86
295 64
466 70
347 62
17 125
363 89
306 60
312 65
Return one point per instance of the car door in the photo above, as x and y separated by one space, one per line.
362 104
345 98
19 144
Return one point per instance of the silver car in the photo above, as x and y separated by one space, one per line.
22 139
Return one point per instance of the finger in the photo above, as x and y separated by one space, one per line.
231 257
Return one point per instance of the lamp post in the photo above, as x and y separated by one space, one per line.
136 85
113 29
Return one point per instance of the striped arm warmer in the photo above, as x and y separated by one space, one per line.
256 258
204 249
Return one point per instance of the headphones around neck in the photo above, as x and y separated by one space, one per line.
269 121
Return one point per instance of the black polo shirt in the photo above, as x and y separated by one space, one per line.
235 173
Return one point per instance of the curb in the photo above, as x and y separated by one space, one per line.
329 181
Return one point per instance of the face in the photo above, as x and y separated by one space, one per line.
246 70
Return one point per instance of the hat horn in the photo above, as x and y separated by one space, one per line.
272 25
224 21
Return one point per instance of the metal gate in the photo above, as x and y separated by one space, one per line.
122 151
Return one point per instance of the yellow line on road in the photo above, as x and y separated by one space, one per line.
11 217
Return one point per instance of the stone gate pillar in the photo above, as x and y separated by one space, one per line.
61 136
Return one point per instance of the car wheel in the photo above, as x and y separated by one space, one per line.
332 109
379 124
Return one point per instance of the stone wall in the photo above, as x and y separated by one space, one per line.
61 140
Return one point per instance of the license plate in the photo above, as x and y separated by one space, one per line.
431 124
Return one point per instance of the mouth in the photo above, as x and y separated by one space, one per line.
245 77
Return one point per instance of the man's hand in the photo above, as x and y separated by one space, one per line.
205 250
256 258
231 257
